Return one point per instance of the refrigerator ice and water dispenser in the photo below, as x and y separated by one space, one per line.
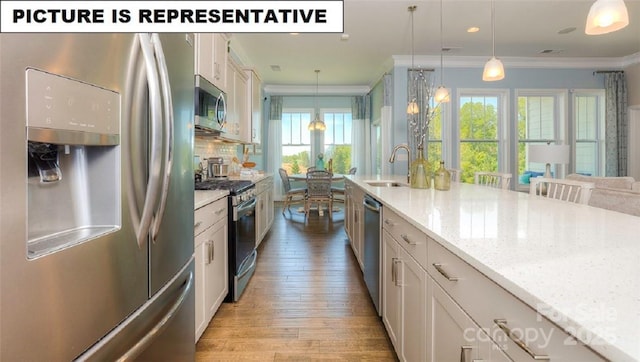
73 148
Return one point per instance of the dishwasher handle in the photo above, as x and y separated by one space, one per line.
371 204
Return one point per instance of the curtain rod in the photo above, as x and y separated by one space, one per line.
607 71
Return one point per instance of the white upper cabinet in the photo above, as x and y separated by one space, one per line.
254 103
237 109
211 58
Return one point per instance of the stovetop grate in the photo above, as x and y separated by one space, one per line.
234 186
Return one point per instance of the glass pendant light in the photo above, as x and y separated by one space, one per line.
412 106
442 93
493 70
317 124
606 16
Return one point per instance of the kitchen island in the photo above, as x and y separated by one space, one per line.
576 265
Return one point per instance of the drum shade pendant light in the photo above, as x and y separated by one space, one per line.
412 105
606 16
442 94
493 69
317 124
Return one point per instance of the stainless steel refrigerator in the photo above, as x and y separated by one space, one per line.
96 193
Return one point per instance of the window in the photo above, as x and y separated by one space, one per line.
337 140
296 141
540 119
589 129
481 125
434 143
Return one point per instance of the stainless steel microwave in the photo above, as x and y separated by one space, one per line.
211 107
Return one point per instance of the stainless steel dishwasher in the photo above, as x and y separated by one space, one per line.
372 232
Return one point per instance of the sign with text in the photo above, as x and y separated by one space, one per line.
172 16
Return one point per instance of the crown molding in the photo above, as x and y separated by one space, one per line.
286 90
517 62
630 60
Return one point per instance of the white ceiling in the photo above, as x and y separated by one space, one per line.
380 29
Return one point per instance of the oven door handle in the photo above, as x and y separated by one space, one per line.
254 257
242 209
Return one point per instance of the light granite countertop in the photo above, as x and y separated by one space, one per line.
580 262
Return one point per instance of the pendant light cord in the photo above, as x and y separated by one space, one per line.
412 9
493 28
441 55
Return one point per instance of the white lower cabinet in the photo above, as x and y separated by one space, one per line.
354 220
437 308
404 310
211 254
454 336
264 208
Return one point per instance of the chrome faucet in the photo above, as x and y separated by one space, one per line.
393 158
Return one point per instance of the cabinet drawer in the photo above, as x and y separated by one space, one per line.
408 236
209 215
497 312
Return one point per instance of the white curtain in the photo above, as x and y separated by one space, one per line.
274 151
360 135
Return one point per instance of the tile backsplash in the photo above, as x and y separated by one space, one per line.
205 148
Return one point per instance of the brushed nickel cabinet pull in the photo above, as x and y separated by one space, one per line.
396 269
389 222
463 353
407 240
197 224
393 270
502 324
444 273
219 211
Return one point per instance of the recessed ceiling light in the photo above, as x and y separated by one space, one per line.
551 51
344 37
275 68
294 33
473 29
567 30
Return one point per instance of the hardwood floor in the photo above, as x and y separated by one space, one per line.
307 301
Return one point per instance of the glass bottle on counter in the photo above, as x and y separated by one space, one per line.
420 172
442 178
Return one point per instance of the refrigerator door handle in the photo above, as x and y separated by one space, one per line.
167 155
145 341
155 110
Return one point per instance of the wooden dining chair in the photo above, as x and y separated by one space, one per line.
497 180
561 189
319 191
455 174
339 190
292 195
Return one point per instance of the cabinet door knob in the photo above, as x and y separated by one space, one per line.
502 324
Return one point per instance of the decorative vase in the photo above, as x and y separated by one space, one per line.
420 172
442 178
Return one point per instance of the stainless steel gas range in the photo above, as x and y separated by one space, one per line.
242 231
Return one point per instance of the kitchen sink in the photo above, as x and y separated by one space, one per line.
386 184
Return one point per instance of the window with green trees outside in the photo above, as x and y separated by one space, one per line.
337 140
479 143
296 141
